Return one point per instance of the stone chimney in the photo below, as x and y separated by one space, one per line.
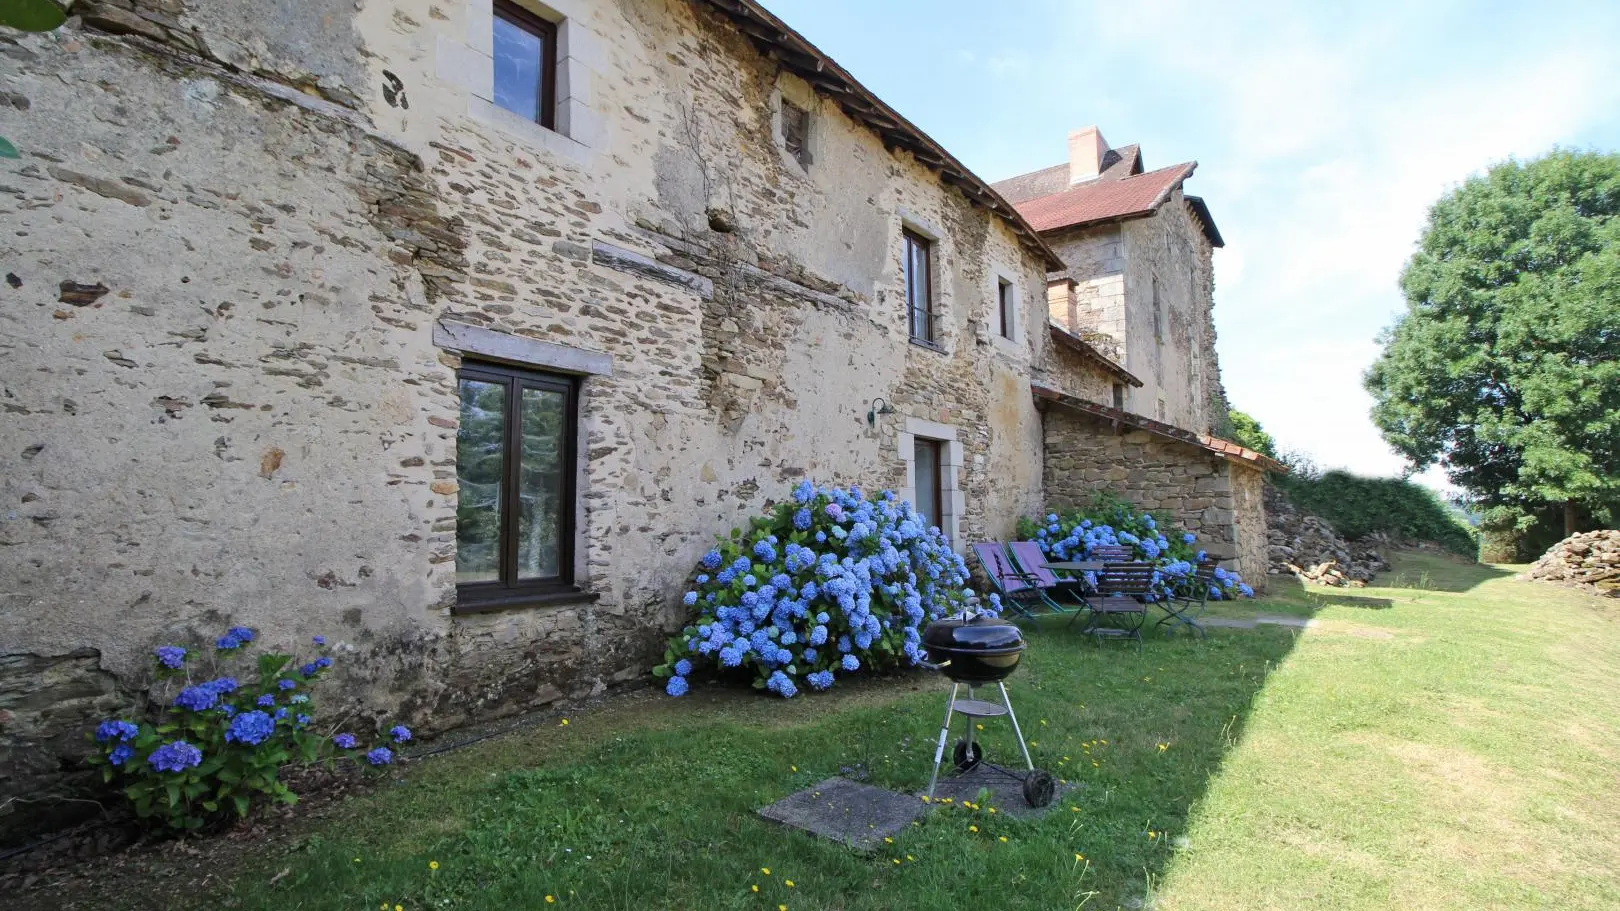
1086 150
1061 306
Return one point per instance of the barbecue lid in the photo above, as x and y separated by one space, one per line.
979 634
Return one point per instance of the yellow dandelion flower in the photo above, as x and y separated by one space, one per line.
1163 747
909 857
1043 722
794 767
788 883
1034 743
1075 809
357 860
550 900
992 809
1079 857
973 828
433 865
1003 839
979 726
887 840
564 722
399 908
925 798
755 887
765 870
897 861
781 908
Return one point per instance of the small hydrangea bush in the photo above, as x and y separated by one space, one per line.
1111 522
219 744
831 582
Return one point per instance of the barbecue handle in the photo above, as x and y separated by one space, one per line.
925 663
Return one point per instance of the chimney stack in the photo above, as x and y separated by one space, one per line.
1086 150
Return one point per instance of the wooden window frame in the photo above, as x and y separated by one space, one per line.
509 591
792 112
911 239
546 31
1006 304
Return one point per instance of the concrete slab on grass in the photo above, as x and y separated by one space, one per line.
857 815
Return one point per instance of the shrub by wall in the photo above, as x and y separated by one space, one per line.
1358 506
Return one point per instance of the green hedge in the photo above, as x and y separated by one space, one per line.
1358 506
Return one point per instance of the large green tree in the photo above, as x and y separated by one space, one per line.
1505 367
1246 431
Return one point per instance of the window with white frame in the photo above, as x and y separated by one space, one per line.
1007 308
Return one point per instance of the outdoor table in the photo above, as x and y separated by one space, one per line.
1079 566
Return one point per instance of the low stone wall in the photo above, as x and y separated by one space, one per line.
1197 490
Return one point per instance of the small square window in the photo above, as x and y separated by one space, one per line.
1006 306
796 132
1119 396
525 63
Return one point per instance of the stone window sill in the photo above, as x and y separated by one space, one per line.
523 600
931 346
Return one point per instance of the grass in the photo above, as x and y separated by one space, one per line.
1451 746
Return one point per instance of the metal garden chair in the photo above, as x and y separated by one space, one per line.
1023 593
1120 608
1188 601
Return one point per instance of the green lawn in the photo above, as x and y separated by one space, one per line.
1452 744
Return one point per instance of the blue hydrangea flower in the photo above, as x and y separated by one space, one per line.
175 756
851 663
121 754
683 668
170 656
676 686
115 730
241 634
380 756
285 684
251 728
309 670
821 679
802 519
400 733
299 699
1188 538
227 643
304 720
344 741
197 698
266 701
319 640
281 713
323 661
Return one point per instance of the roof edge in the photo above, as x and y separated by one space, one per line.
1088 350
1230 451
795 53
1205 219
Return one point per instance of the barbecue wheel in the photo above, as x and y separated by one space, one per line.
967 755
1039 788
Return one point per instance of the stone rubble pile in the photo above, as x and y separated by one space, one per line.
1309 548
1589 560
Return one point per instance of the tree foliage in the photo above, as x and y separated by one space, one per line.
1246 431
1505 367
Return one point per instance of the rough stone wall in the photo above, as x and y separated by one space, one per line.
1095 261
224 403
1189 486
1172 353
1253 531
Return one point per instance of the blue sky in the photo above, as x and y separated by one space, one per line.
1322 134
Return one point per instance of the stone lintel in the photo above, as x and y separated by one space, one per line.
517 349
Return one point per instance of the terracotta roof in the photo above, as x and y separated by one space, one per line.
1224 448
1121 162
1086 349
776 40
1106 200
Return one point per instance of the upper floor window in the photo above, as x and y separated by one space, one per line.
516 457
525 63
796 132
1158 314
917 254
1006 306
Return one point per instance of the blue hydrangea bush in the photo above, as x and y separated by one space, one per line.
1111 522
219 744
830 582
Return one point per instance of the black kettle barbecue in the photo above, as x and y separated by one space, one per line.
976 650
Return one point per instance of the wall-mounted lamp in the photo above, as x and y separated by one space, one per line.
879 406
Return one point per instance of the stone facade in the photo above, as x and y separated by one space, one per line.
1148 284
244 274
1197 490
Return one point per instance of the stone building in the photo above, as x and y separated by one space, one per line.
1136 295
455 332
